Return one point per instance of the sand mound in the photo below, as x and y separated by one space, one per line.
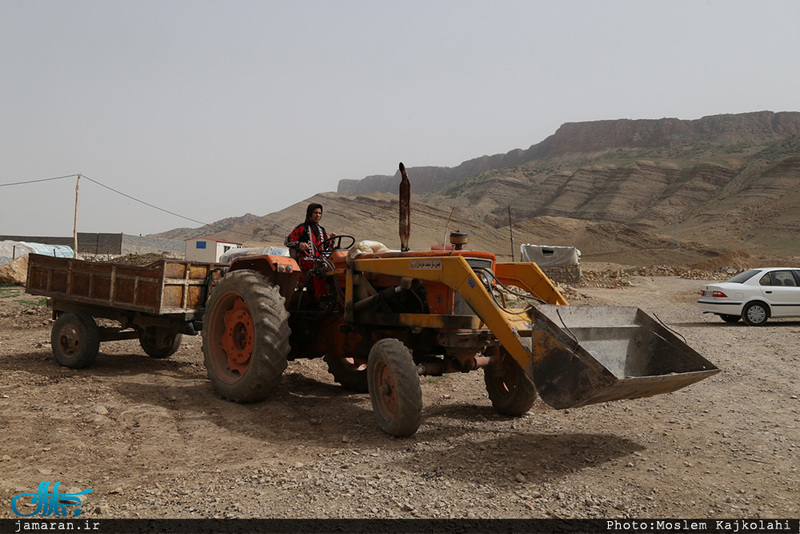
737 259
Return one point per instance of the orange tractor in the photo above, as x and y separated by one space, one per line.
390 317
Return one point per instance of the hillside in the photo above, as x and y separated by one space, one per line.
630 188
375 217
730 180
209 229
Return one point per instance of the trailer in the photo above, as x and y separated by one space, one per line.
155 304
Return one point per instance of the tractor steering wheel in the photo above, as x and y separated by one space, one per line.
335 243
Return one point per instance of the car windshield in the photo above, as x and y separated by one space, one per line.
744 277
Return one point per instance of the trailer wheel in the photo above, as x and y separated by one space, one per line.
75 339
394 388
349 372
245 336
511 390
159 342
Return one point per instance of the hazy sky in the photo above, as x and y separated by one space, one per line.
212 109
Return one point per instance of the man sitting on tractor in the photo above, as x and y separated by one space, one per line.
305 244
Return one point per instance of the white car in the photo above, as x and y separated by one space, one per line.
754 296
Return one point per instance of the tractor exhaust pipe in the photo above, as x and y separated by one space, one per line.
405 209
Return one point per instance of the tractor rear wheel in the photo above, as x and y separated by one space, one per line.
349 372
394 388
245 336
511 390
75 339
159 342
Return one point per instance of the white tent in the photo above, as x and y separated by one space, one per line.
546 256
10 250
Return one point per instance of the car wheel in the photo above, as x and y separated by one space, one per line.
755 313
730 318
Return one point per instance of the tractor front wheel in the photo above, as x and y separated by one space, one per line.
245 336
511 390
394 388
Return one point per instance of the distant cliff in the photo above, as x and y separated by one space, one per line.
729 181
579 140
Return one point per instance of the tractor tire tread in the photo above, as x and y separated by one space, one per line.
270 319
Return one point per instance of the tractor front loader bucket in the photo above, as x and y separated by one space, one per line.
589 354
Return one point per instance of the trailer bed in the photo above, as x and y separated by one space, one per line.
166 287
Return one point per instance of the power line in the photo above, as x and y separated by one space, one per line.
110 189
126 196
143 202
158 208
40 180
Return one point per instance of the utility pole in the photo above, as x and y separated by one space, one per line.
75 223
511 233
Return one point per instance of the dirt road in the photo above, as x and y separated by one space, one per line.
152 439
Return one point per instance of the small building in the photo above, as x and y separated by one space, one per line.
208 250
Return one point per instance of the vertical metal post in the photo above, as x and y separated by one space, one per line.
511 233
75 223
405 208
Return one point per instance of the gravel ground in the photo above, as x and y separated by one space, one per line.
152 439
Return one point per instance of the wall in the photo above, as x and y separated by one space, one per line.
568 274
87 242
105 243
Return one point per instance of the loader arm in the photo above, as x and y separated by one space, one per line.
575 355
531 278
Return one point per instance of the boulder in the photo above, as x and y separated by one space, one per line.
15 271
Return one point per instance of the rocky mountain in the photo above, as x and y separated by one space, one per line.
731 178
649 191
585 141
